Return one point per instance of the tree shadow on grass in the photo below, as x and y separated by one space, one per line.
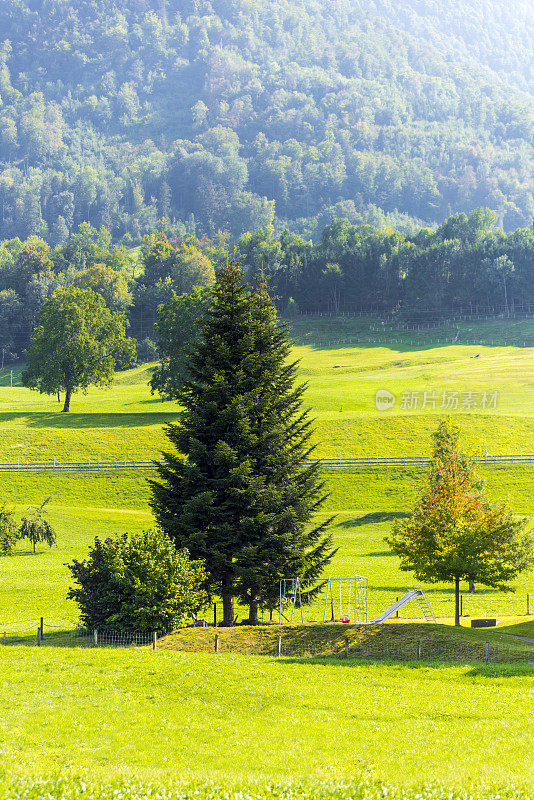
502 670
372 518
90 420
23 553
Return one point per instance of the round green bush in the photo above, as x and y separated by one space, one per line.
137 582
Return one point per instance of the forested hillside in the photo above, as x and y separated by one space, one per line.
232 114
465 263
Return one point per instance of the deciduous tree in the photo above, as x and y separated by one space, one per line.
454 533
76 344
36 528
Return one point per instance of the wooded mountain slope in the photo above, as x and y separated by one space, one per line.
231 113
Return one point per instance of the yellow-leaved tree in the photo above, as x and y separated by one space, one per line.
454 532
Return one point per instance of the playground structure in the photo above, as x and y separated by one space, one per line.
339 600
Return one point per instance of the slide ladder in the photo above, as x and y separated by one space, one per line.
414 593
424 605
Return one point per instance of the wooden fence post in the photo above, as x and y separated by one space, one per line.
487 651
39 636
346 647
528 605
42 628
154 640
95 637
279 645
419 649
216 642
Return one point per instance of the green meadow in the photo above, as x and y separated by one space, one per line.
103 717
364 503
125 421
130 724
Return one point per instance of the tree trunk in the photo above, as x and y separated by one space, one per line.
253 613
228 602
68 394
457 601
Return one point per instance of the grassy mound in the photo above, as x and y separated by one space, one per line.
394 641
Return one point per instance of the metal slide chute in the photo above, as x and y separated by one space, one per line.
415 593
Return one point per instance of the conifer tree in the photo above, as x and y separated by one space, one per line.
243 498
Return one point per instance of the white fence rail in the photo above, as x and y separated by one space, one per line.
373 462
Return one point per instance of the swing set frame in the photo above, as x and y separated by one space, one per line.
333 598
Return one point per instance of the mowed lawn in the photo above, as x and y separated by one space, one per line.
170 717
125 421
365 505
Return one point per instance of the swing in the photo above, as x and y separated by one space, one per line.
344 618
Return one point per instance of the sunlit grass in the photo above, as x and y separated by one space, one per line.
168 717
125 421
365 505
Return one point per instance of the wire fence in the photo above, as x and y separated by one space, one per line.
284 645
81 637
363 462
75 466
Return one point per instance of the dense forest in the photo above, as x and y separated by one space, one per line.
202 117
467 262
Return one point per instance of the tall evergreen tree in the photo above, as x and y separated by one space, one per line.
283 544
244 497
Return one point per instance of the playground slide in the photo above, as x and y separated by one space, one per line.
389 612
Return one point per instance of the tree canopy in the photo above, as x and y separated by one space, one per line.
77 344
454 533
217 114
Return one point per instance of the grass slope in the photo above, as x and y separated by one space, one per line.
342 381
125 421
365 505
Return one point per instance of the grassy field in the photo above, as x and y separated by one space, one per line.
125 421
169 717
131 724
365 505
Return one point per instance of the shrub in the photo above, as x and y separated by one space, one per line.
8 531
137 582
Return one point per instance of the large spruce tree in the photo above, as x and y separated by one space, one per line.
238 490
